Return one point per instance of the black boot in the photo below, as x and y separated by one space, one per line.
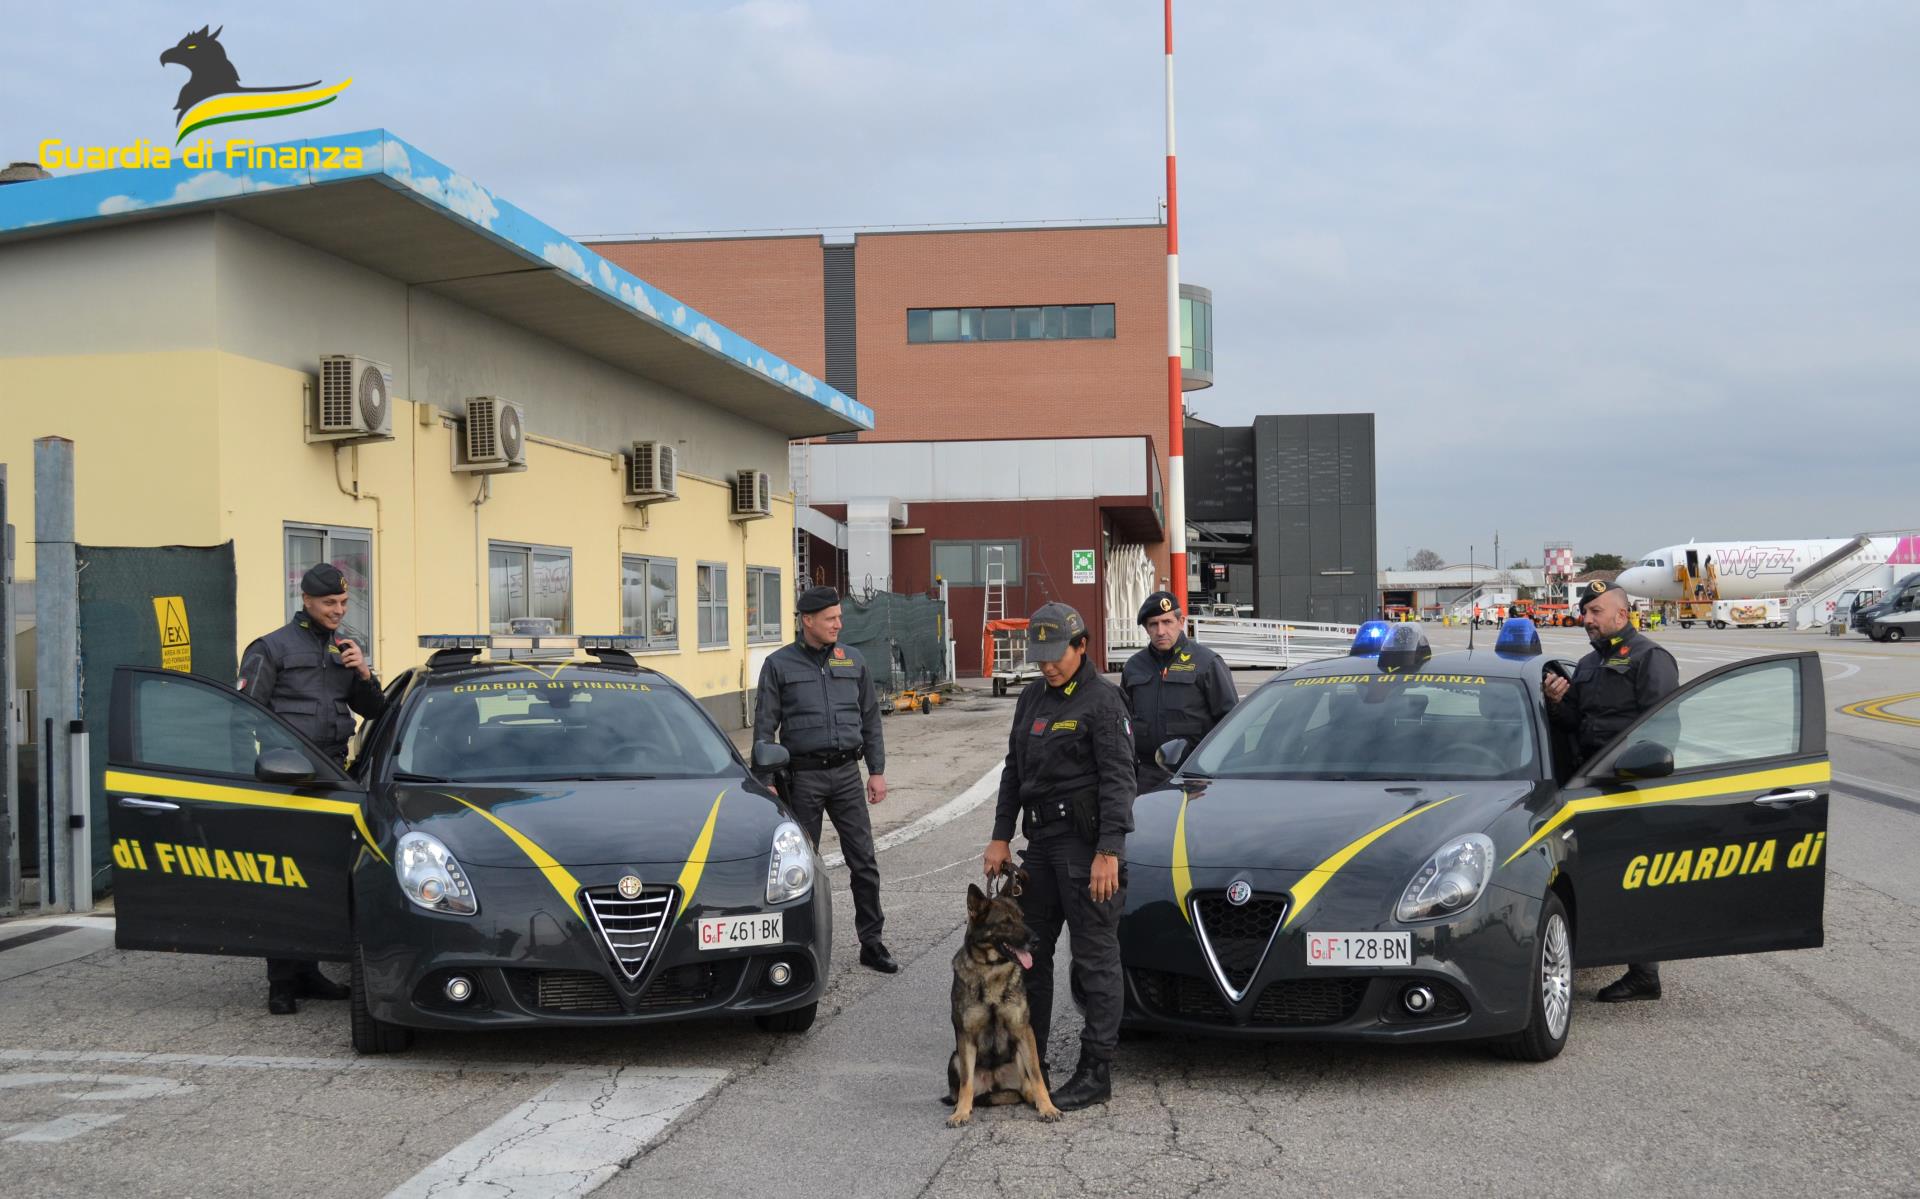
1639 982
312 984
874 956
280 998
1092 1083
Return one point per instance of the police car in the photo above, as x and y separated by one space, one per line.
524 840
1397 846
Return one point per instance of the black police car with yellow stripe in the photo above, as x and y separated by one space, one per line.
1396 845
523 842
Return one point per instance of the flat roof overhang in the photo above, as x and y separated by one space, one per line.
407 217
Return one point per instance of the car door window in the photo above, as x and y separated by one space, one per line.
1744 715
188 725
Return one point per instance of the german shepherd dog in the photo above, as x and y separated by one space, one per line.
994 1058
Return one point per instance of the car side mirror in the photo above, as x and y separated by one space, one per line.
283 766
1171 754
1644 760
769 757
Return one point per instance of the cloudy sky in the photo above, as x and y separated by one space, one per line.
1616 273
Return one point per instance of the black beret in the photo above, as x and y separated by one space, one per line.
817 599
1158 602
1595 588
323 579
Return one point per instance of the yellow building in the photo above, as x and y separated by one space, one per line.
175 324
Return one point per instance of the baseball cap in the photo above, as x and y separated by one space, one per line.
1049 630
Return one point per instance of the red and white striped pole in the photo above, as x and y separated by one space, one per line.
1176 415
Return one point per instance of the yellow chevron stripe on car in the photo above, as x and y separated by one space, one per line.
172 788
557 876
1182 873
1785 776
697 859
1310 885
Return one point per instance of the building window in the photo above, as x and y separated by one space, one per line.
1054 322
1196 334
352 551
711 579
650 600
973 563
529 580
764 604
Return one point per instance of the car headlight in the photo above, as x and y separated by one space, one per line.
431 878
790 867
1450 881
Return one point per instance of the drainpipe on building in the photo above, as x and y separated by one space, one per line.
56 596
376 652
480 559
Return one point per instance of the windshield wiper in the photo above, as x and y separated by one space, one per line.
407 776
593 778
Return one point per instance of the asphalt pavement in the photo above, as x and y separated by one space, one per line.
1771 1074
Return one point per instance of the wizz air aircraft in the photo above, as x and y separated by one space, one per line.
1709 570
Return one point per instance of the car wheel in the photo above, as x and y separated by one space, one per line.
371 1035
1686 624
1546 1032
1895 633
800 1019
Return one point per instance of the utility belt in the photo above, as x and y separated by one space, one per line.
831 759
1082 810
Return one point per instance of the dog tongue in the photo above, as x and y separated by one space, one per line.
1024 958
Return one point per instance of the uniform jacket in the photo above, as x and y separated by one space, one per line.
296 672
1612 686
1181 693
819 701
1072 743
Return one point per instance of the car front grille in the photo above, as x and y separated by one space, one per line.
630 928
1284 1003
565 991
1238 935
582 992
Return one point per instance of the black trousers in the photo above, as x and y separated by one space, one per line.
1059 870
840 793
285 970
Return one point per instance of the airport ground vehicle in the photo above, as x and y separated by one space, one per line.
1396 846
519 843
1905 590
1748 614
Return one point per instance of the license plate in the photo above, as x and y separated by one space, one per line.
1359 949
738 932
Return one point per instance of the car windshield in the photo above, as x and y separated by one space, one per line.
1410 726
535 728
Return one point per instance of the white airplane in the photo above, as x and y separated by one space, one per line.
1708 570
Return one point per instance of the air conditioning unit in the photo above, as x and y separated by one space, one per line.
752 495
354 402
494 438
652 473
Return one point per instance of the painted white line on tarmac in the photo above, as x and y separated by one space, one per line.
1875 785
236 1061
569 1139
988 784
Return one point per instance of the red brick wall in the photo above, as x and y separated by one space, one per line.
770 289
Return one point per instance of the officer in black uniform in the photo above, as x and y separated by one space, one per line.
1175 688
1625 674
1069 771
313 678
818 697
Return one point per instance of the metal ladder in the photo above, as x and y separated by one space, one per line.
994 604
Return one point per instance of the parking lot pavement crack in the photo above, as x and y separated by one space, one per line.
1860 1019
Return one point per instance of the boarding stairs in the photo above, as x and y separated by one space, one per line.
1810 605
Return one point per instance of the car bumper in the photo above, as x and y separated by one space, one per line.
535 963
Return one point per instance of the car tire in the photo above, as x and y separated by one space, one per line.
1895 633
1686 624
1551 1005
370 1035
800 1019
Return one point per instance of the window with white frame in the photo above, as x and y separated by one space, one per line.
711 588
529 580
765 602
349 549
650 600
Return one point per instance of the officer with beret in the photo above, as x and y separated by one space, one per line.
1069 774
1175 687
315 679
816 696
1624 675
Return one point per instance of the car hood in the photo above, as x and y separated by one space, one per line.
614 822
1289 825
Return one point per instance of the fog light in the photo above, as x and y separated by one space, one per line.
779 974
1417 1000
459 988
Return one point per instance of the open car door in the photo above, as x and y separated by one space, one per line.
231 833
1701 830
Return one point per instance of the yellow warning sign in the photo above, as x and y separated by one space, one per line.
176 642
